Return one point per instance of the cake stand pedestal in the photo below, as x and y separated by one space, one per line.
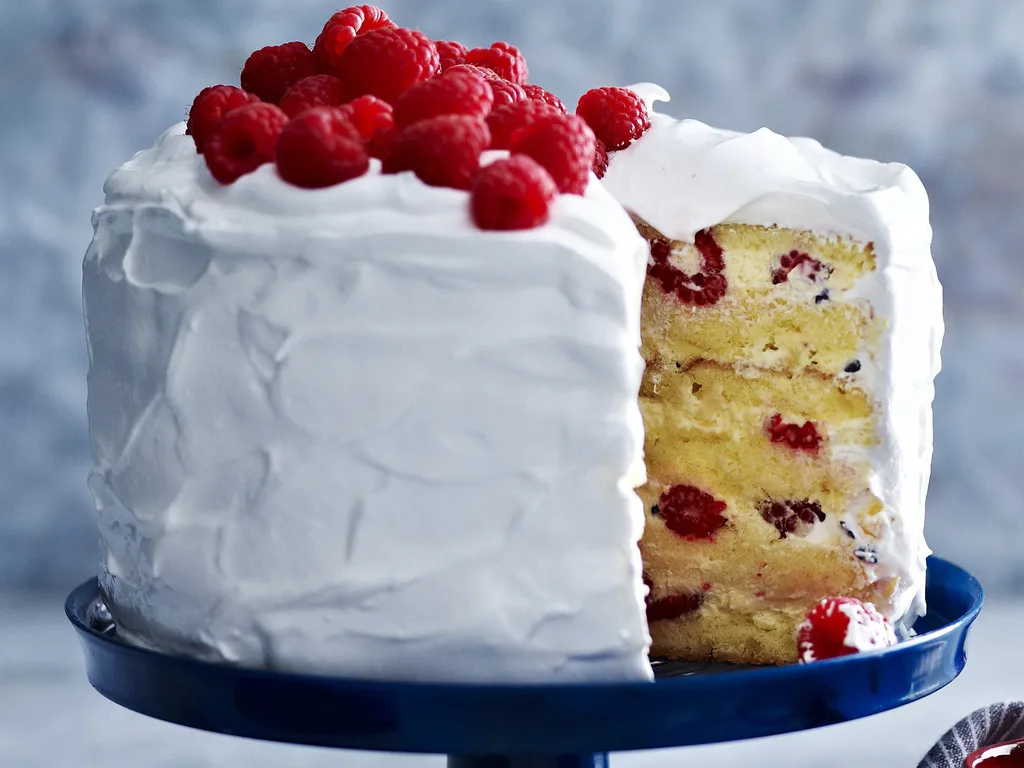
532 726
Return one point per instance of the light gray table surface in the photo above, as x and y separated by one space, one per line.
50 717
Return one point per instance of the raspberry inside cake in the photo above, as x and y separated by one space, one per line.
791 320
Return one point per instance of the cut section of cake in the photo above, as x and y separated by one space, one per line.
791 327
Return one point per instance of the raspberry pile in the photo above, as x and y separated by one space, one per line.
840 626
369 89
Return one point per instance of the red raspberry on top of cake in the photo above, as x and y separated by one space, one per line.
210 107
442 151
320 148
244 140
600 159
617 115
315 91
458 92
341 29
515 193
487 74
387 62
505 121
563 145
505 92
370 116
451 53
502 58
270 71
840 626
536 93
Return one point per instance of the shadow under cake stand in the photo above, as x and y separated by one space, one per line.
533 726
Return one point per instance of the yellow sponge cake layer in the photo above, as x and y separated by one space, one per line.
752 253
710 427
752 595
757 437
800 322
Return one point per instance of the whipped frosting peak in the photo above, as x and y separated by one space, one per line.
685 176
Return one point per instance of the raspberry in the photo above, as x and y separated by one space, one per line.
674 606
443 151
369 115
315 91
792 516
382 143
617 115
244 140
487 74
798 437
341 29
600 159
451 53
564 147
811 269
536 93
270 71
504 59
690 512
839 626
515 193
210 107
506 93
458 93
387 62
705 287
505 121
320 148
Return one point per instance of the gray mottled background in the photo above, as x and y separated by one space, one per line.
938 84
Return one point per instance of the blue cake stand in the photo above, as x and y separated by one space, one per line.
533 726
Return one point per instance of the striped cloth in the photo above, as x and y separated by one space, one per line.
994 724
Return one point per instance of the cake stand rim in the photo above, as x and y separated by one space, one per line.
107 657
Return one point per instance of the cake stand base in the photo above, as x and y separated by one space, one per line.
587 760
532 726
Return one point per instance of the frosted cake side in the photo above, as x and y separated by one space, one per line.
344 431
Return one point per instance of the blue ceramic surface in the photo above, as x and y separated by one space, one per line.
566 725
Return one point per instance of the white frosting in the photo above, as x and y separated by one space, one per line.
344 431
865 631
683 176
